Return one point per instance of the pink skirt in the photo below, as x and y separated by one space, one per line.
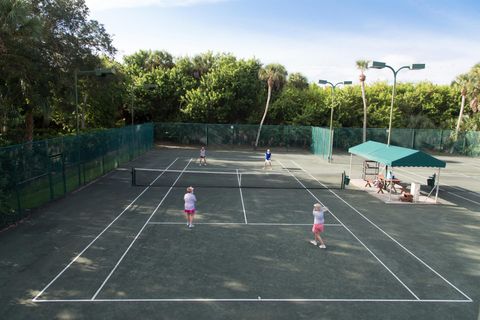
189 211
317 228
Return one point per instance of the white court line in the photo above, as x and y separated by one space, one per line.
391 238
452 193
138 234
98 236
465 175
351 232
243 223
459 196
239 178
255 300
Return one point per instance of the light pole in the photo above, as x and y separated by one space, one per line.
381 65
99 72
331 112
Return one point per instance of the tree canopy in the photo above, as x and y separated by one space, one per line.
42 43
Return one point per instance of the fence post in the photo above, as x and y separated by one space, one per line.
17 194
63 174
413 138
440 147
49 171
77 143
206 134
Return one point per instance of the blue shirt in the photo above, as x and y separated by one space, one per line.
268 155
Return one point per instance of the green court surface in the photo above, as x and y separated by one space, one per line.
115 251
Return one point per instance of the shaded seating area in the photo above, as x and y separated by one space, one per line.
391 157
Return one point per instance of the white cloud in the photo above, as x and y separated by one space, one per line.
97 5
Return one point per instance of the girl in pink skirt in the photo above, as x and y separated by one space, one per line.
190 200
318 224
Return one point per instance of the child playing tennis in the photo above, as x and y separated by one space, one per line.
190 200
268 159
203 157
318 224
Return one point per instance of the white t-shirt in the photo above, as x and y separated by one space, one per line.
202 152
318 217
190 200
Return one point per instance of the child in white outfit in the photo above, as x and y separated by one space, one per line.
318 224
189 208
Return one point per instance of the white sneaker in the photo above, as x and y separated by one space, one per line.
322 246
313 242
191 226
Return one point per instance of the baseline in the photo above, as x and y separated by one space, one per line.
255 300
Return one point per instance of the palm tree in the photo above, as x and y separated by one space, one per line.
462 81
362 65
275 75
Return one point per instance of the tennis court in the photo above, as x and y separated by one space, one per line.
120 249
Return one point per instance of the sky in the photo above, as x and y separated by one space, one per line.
318 38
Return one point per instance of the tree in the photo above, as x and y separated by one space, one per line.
19 33
226 94
298 81
462 83
275 75
41 43
362 65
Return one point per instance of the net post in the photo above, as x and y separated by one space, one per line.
342 183
133 177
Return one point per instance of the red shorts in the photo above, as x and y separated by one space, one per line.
317 228
189 211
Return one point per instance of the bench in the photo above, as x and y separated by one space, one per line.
378 182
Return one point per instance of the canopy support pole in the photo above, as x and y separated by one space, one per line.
350 171
438 185
391 181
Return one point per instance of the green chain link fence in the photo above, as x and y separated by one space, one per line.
35 173
315 139
428 140
234 135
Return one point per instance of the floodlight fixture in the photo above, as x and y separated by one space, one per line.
376 65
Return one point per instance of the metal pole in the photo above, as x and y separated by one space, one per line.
350 171
391 185
330 147
438 185
76 100
77 139
391 107
132 109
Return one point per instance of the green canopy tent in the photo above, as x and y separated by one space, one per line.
394 156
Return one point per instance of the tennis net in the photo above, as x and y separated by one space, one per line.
234 179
